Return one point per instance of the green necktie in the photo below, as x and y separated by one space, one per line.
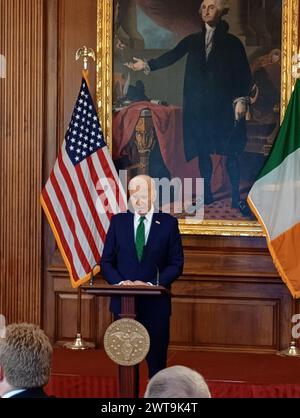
140 238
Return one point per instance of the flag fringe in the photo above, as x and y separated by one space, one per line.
78 282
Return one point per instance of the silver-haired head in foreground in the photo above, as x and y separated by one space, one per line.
177 382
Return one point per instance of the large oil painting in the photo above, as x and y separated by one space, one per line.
176 105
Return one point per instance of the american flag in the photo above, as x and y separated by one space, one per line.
82 192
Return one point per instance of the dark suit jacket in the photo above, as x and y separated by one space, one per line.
163 253
32 393
210 86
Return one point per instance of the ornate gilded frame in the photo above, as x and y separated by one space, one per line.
290 37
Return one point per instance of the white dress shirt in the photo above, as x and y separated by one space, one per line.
209 39
12 393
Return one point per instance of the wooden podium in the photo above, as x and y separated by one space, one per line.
128 375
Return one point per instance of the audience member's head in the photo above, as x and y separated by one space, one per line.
177 382
25 358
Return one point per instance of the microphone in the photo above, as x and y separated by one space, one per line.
145 249
91 282
157 275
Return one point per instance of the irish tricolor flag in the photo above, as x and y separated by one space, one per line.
275 197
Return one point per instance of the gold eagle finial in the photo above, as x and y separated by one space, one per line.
85 53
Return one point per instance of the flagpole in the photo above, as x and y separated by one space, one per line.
79 344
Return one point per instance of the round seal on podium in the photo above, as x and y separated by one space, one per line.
126 342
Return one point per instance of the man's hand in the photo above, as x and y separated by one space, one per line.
127 283
119 44
140 283
135 283
138 65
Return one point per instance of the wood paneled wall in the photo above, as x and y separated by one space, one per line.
21 151
70 25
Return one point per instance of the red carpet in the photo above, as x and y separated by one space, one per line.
229 375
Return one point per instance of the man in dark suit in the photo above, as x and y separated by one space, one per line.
25 362
144 247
